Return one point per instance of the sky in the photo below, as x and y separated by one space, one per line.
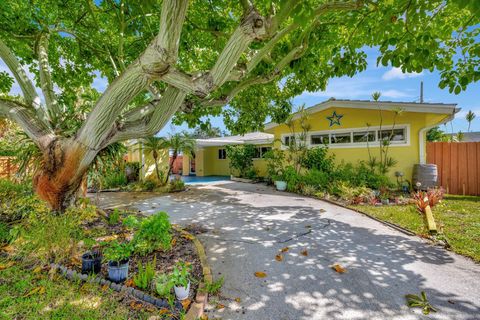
391 82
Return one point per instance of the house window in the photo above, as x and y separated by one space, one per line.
337 138
363 136
260 152
288 140
395 135
222 154
319 139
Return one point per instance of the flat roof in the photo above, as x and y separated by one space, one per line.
439 108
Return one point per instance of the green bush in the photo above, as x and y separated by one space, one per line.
318 159
154 233
292 178
176 185
131 222
17 201
241 158
145 275
319 179
117 252
114 179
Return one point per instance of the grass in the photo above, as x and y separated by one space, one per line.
27 294
458 218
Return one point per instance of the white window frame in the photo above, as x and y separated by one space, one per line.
376 143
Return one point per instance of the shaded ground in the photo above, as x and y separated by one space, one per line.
249 224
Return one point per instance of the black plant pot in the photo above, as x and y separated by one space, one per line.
91 262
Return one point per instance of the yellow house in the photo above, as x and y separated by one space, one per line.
211 156
350 128
353 128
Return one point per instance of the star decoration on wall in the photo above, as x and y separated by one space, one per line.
335 118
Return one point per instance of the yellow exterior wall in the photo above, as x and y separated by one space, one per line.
406 155
208 164
147 164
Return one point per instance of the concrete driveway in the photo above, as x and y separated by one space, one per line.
248 224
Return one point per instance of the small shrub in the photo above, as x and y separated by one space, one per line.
131 222
114 179
154 233
144 276
181 274
214 287
308 190
114 217
241 158
292 178
148 185
176 185
318 159
116 252
163 285
349 193
319 179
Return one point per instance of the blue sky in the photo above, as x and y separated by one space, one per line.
391 82
394 86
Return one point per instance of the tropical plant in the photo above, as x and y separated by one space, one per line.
163 285
241 158
318 159
144 276
469 117
162 58
275 162
178 143
131 222
421 301
114 217
297 142
181 274
153 146
116 251
435 134
176 184
154 233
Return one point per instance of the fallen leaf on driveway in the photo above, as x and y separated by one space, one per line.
279 257
338 268
204 317
260 274
284 250
304 253
238 300
219 306
186 303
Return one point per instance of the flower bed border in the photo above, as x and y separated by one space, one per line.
197 306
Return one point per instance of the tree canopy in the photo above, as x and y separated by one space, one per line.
188 59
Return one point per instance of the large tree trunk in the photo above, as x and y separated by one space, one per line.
60 176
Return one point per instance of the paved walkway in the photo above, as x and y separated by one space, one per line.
249 224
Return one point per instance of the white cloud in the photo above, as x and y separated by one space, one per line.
397 73
357 88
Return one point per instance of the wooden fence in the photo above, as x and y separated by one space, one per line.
458 166
7 167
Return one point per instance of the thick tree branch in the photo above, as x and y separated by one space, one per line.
152 65
29 94
45 76
171 23
164 109
36 130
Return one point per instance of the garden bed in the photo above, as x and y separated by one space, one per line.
104 230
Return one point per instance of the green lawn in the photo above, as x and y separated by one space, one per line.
458 218
26 294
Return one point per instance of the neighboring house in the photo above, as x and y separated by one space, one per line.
466 136
350 128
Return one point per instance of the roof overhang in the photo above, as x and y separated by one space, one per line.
438 108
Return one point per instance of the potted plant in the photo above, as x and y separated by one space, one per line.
117 255
180 278
163 285
280 182
91 262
